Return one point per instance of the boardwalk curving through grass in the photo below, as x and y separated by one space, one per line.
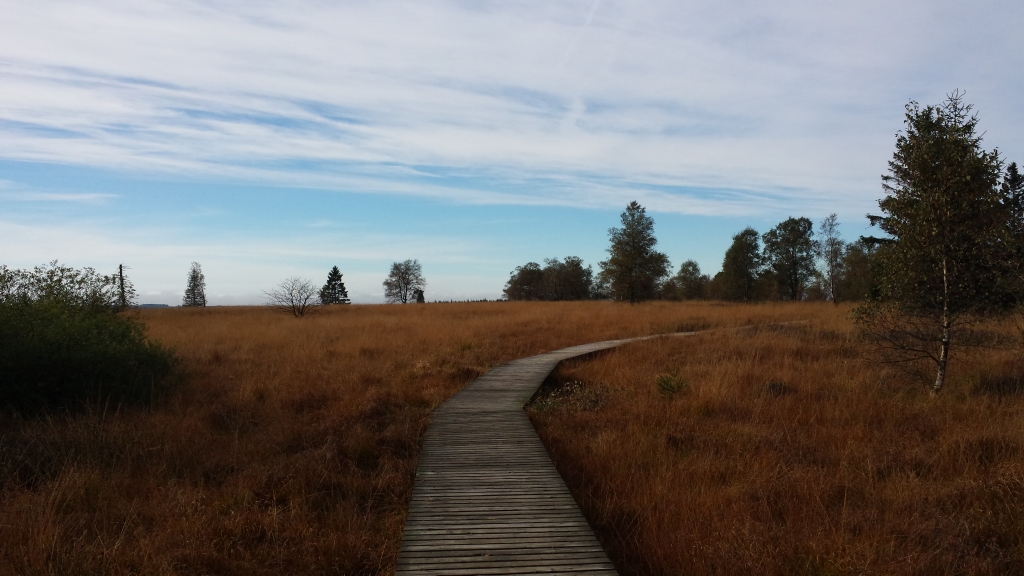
487 498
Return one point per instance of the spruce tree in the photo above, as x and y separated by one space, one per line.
195 291
334 291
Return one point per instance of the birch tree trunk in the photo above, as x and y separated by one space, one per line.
940 377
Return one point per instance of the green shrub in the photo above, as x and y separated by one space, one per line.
67 338
672 383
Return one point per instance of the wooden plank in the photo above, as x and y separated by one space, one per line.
487 498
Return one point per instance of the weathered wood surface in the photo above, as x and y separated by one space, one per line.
487 498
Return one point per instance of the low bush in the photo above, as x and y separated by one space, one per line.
67 338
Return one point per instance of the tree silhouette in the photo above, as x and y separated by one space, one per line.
334 291
295 296
195 291
634 269
789 251
402 282
687 284
831 248
526 282
741 267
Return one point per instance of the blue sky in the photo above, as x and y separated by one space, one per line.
267 140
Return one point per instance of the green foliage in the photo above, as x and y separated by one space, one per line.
525 283
741 267
65 339
195 290
334 291
558 280
687 284
567 279
943 212
789 252
671 383
944 265
1012 190
634 270
857 279
56 283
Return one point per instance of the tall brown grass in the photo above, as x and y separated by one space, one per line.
780 450
291 445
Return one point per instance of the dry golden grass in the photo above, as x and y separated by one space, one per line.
785 453
291 446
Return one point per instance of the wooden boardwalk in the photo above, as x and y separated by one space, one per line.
487 498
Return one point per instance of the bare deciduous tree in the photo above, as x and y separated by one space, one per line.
404 280
295 296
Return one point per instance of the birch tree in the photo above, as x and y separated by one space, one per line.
831 249
941 266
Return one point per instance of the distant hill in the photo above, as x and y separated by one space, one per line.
154 306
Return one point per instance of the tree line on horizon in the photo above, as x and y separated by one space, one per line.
299 296
951 262
786 263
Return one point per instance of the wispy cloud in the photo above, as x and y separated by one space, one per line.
700 108
88 198
11 191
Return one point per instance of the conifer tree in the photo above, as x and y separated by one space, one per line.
634 270
195 291
334 291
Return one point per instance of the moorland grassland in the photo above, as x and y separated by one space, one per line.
784 452
289 446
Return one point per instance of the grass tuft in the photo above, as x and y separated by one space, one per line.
672 383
